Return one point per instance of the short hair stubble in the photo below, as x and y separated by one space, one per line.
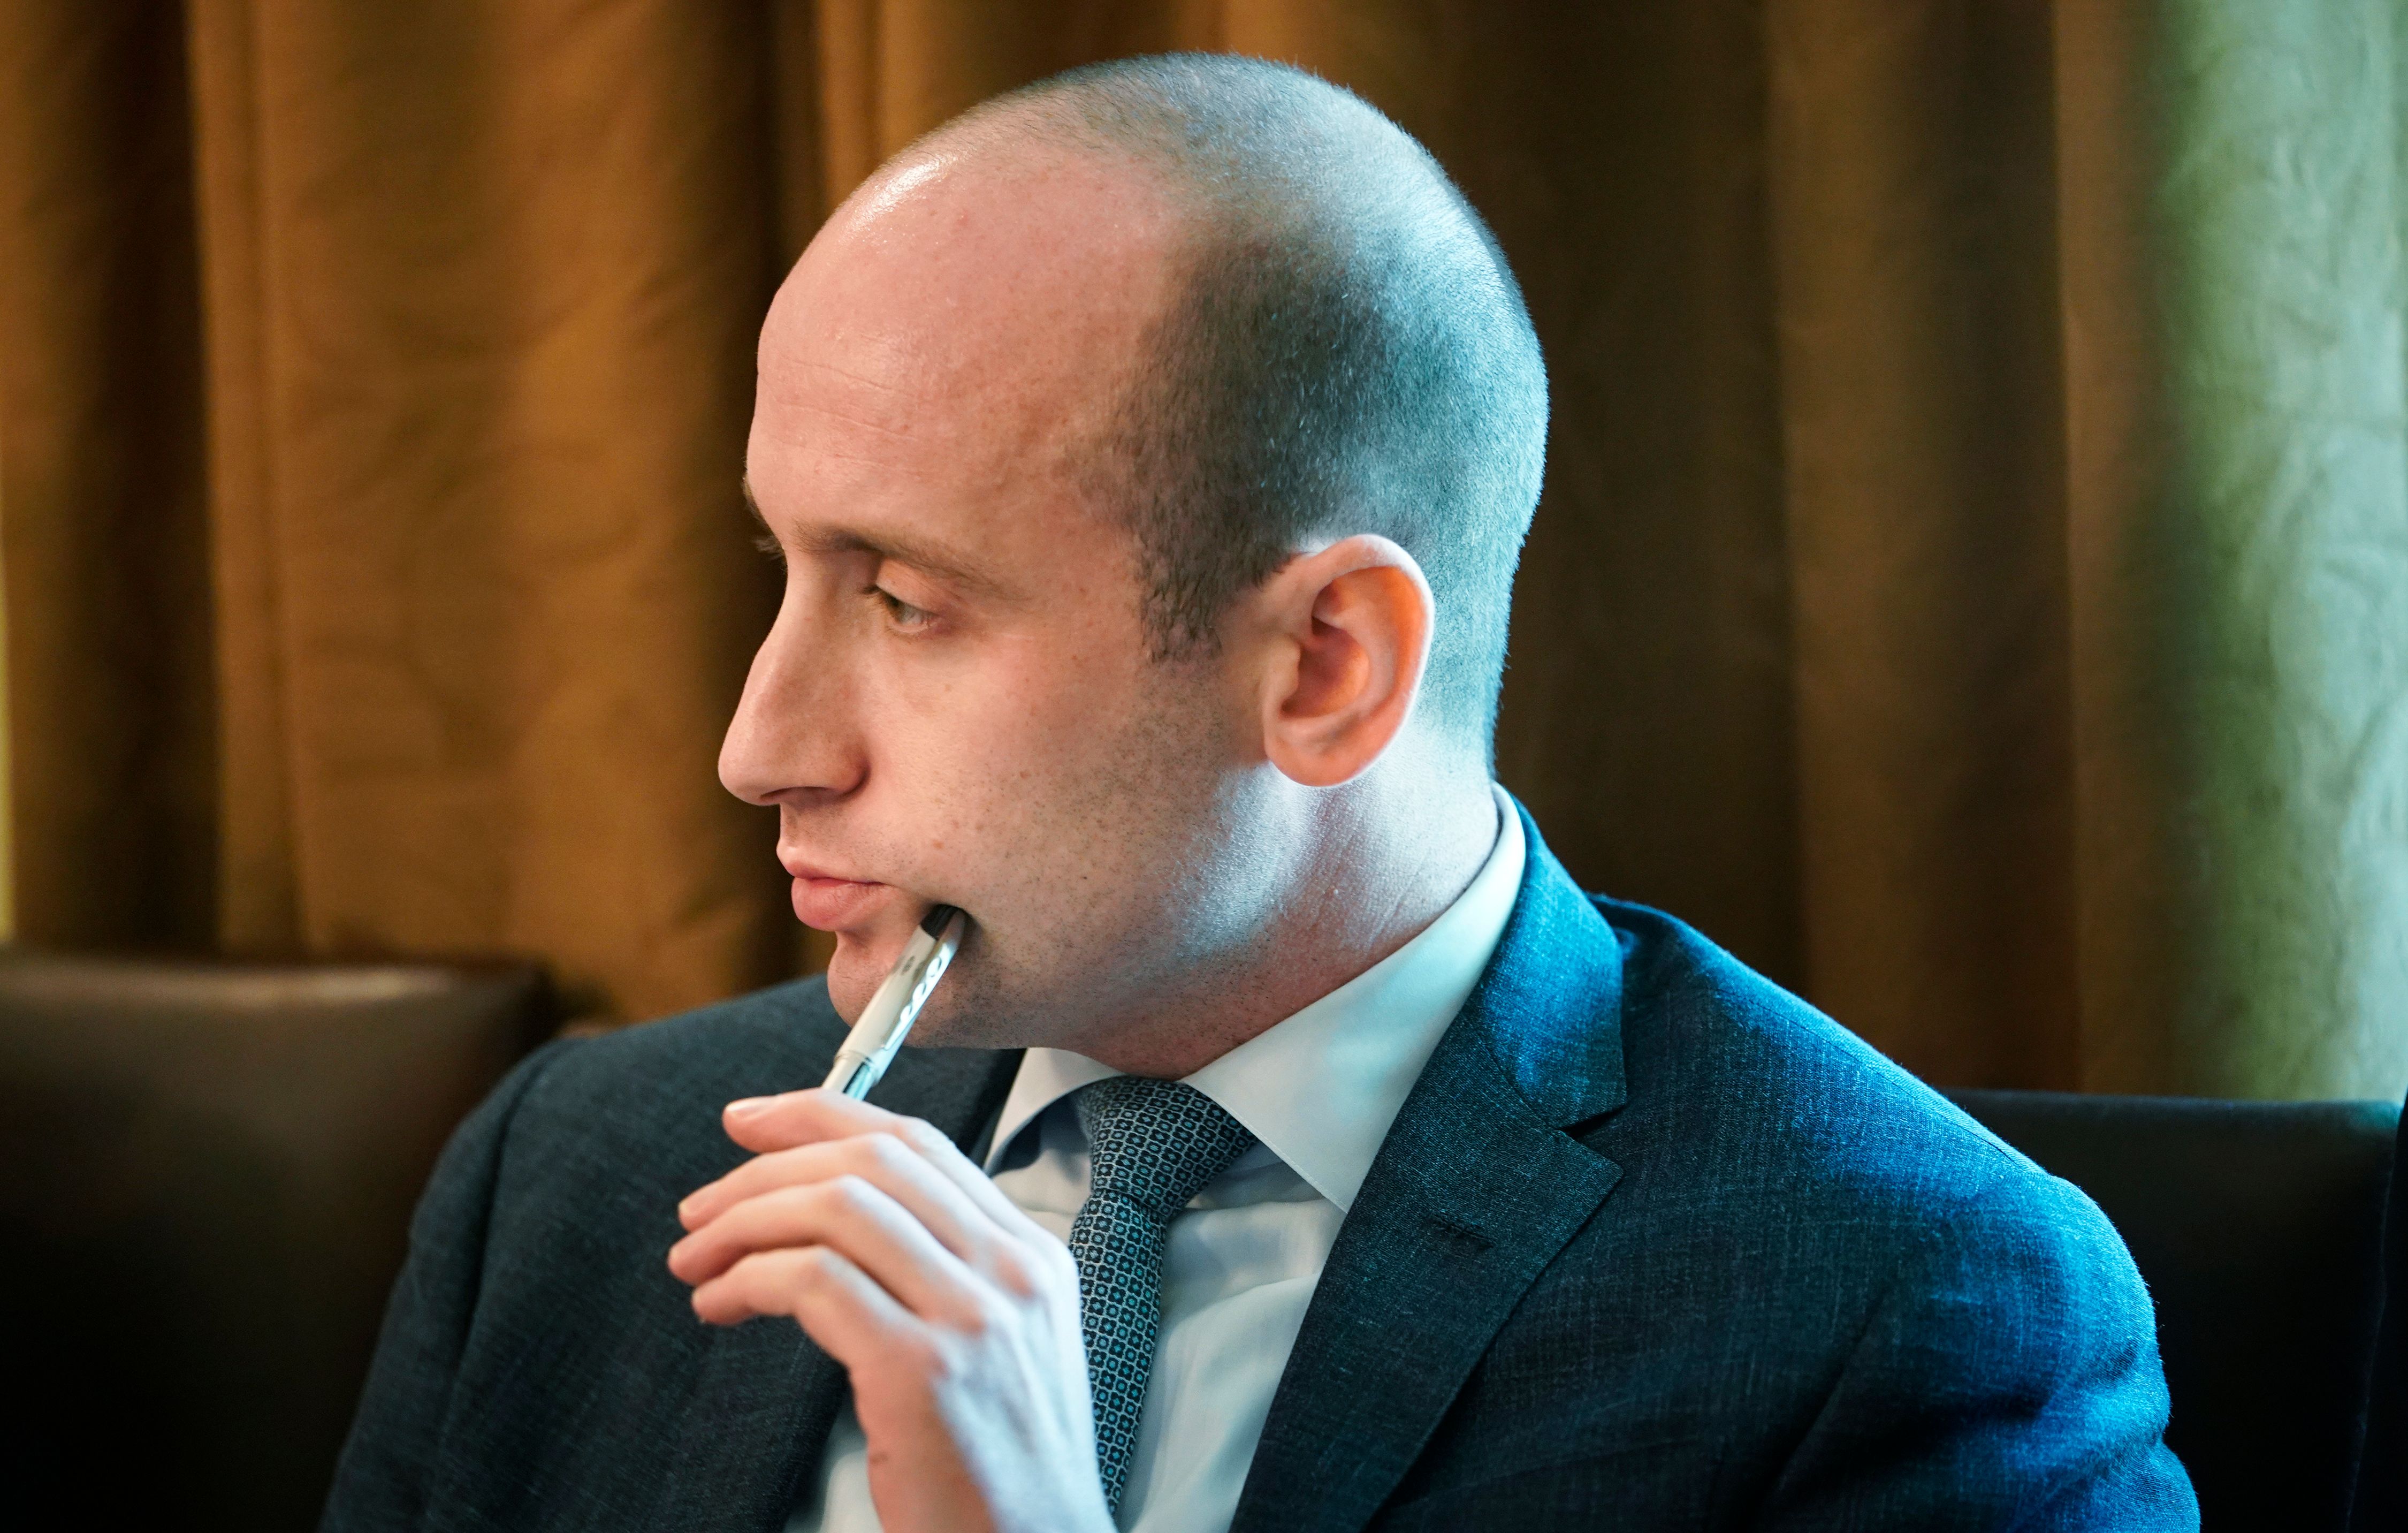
1345 351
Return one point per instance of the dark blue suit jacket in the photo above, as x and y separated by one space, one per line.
1652 1245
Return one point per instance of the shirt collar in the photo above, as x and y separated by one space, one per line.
1321 1087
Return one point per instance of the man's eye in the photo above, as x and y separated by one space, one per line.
900 612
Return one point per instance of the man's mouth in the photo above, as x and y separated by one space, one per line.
832 904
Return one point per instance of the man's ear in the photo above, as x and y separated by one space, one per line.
1346 633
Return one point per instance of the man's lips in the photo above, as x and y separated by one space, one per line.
836 904
831 903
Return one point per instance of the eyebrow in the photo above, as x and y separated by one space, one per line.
905 551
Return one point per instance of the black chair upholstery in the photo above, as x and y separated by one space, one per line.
2257 1226
2382 1469
206 1178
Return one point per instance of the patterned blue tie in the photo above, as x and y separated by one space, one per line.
1154 1145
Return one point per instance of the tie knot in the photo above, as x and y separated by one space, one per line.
1156 1143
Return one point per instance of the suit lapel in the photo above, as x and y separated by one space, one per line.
1474 1192
766 1396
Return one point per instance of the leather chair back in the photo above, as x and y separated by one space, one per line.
2258 1228
206 1172
2382 1505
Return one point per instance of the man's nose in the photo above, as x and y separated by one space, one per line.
791 735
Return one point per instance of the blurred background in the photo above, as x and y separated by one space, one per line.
1971 583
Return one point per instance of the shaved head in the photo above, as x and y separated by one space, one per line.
1340 349
1150 451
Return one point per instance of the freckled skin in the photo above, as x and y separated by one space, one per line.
1144 886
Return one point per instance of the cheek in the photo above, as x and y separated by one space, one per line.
974 754
1074 770
1047 735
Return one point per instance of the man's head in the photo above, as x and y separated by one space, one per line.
1151 450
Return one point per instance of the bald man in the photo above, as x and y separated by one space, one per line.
1149 454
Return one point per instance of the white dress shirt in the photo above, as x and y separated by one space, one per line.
1319 1089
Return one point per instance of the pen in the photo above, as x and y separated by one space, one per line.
871 1047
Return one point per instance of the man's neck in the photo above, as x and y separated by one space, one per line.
1382 869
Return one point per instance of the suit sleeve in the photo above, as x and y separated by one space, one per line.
2007 1379
381 1480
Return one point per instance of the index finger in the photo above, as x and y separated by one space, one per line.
792 1119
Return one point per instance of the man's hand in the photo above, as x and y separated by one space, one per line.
956 1314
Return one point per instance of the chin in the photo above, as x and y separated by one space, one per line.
982 1003
860 964
854 971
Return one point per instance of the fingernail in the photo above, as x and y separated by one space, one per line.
749 1106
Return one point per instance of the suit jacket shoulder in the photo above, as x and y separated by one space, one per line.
540 1367
1775 1109
1817 1294
1973 1344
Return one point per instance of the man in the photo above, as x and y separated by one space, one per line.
1150 453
